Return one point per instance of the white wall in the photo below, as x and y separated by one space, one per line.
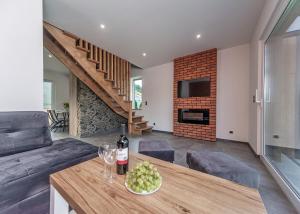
61 87
158 92
233 93
21 55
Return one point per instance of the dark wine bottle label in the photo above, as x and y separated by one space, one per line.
122 156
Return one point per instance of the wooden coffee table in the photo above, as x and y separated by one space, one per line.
183 191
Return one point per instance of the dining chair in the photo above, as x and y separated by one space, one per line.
55 121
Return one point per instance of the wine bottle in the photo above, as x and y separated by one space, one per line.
122 153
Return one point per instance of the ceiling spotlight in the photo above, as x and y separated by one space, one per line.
50 55
144 54
102 26
198 36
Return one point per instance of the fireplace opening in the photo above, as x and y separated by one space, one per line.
194 116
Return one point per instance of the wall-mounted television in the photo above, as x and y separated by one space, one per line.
199 87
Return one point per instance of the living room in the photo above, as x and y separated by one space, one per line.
203 93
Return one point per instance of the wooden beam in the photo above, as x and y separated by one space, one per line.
73 117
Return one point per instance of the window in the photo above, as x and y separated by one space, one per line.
48 94
282 97
137 93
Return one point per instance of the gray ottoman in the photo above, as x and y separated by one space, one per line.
158 149
224 166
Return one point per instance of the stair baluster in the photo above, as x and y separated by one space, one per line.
70 50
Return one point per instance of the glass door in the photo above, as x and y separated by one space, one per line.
282 97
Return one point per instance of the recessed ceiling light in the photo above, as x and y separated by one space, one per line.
102 26
198 36
144 54
50 55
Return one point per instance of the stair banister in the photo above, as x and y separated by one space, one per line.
130 118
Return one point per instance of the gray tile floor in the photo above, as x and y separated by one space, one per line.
274 199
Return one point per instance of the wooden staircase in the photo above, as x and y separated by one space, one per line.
106 74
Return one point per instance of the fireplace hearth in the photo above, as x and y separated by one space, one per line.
193 116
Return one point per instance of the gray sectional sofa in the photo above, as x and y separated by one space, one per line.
28 156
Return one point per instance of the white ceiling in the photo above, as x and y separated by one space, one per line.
52 64
164 29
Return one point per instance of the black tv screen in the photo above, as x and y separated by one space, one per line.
194 88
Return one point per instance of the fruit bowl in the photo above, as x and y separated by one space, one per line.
143 192
144 179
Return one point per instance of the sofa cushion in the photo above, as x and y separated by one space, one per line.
24 140
22 120
159 149
224 166
25 174
5 126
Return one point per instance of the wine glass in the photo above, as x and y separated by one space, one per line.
101 150
110 158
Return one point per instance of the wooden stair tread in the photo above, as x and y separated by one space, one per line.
70 35
144 129
126 101
116 70
137 116
83 49
118 108
102 71
109 80
138 123
92 60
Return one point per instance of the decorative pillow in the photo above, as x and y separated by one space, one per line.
21 141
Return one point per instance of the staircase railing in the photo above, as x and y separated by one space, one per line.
106 74
116 69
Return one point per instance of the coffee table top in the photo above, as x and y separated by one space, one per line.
183 191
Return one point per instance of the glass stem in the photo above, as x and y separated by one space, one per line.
110 173
105 170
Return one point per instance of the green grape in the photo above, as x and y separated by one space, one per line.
143 178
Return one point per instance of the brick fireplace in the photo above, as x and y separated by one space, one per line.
200 65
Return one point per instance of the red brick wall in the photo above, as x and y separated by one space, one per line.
194 66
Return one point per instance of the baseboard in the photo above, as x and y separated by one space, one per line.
166 132
236 141
231 141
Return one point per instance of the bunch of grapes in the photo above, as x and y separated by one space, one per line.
143 178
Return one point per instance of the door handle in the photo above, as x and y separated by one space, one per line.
257 96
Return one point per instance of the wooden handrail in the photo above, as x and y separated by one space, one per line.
106 74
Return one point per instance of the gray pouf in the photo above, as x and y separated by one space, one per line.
158 149
224 166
